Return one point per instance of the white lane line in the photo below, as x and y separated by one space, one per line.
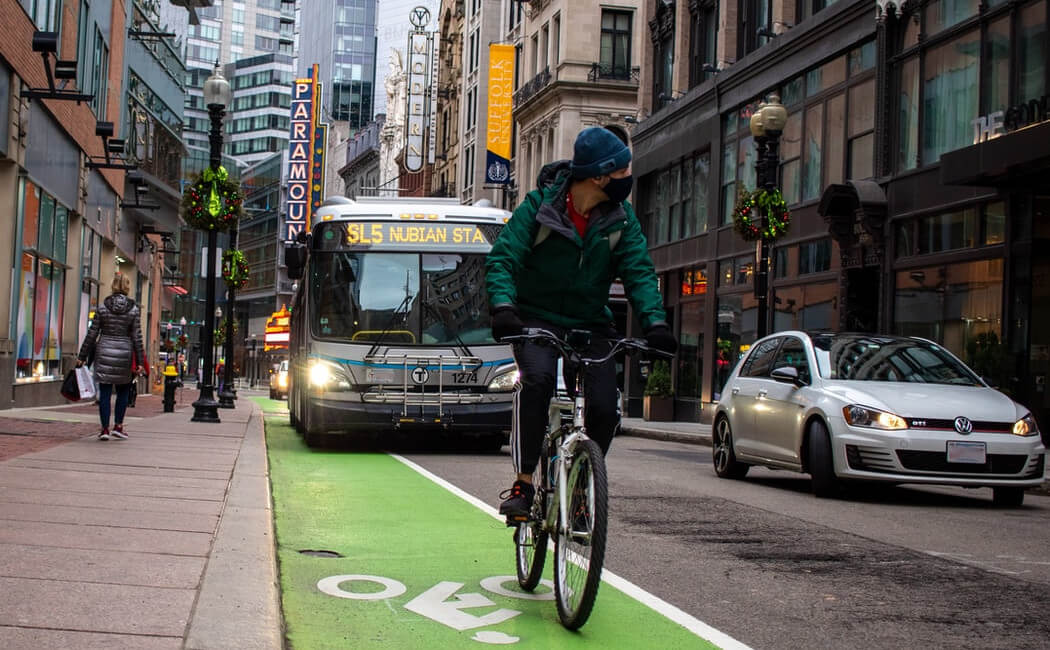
688 621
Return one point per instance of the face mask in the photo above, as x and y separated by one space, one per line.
618 189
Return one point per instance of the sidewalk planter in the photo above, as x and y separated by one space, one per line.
658 403
658 409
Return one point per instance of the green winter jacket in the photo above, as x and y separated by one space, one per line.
540 265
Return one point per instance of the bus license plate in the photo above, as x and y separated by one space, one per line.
966 452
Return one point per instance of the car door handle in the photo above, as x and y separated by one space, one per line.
763 392
736 389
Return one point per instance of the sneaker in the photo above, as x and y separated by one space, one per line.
104 434
118 432
517 501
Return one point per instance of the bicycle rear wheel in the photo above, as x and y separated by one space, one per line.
580 552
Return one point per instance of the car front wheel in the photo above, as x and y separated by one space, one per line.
1008 497
821 462
722 454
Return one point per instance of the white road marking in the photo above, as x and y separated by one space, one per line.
686 620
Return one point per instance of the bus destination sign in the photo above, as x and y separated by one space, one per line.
393 235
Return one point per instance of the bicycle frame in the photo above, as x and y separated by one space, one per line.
564 443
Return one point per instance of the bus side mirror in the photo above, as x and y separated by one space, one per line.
295 260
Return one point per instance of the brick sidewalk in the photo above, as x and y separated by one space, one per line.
23 435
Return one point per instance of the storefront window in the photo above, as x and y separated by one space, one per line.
1032 52
690 349
950 96
945 232
908 117
994 223
996 69
952 304
38 316
701 177
811 153
806 307
942 14
814 257
737 317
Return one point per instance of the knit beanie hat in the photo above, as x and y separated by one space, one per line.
598 152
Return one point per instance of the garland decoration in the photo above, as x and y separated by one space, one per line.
182 342
752 206
219 337
213 201
234 268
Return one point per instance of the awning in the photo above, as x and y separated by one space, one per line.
1017 158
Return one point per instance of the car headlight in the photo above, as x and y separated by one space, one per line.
282 381
1026 426
504 382
327 375
863 416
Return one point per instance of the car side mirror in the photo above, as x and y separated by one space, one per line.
787 375
295 260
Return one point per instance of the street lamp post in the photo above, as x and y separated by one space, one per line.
767 123
228 394
217 96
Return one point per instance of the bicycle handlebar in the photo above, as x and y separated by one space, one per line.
540 335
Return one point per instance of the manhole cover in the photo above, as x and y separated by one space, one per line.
321 553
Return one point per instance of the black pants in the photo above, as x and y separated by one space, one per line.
538 365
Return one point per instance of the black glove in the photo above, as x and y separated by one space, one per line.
659 337
506 322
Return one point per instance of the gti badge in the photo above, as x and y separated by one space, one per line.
963 426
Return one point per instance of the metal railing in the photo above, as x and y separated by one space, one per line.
607 72
533 86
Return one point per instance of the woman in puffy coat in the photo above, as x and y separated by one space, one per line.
114 340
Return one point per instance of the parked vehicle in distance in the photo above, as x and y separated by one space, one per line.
279 381
875 408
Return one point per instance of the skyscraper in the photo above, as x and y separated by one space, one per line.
343 43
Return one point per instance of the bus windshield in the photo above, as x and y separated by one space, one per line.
403 298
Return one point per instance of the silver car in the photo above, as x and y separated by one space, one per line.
875 408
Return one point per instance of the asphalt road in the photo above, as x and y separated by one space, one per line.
767 563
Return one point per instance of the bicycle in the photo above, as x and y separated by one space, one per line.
571 498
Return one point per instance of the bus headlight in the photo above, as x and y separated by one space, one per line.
504 382
327 375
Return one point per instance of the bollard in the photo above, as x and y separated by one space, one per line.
171 382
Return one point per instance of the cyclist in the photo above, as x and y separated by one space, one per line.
552 267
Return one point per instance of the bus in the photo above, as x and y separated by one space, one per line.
390 328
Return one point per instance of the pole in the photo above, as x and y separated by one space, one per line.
762 277
206 409
228 394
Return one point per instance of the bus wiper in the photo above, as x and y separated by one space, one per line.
390 324
462 344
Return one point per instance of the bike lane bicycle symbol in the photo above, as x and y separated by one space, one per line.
443 603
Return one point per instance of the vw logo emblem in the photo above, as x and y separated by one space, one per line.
963 426
420 375
419 17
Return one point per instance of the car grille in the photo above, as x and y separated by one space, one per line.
949 425
871 459
937 461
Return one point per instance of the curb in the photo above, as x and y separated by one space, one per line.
669 436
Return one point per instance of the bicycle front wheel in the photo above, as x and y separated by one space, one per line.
580 546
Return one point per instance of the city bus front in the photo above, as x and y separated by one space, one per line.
398 331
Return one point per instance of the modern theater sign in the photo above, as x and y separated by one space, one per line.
420 113
993 125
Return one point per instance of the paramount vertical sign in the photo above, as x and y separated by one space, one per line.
420 51
306 154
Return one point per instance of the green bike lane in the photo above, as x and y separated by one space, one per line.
422 564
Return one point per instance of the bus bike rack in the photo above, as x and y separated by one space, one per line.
409 361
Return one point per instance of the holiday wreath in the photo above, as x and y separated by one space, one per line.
212 202
234 268
749 210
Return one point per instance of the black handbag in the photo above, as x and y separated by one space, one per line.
69 389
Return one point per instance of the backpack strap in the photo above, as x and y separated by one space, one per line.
614 239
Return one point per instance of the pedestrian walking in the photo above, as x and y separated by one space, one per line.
114 342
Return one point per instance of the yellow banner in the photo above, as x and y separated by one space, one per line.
500 107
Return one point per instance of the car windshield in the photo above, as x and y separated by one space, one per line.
406 298
874 358
284 366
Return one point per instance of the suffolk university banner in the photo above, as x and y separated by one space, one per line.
500 105
306 150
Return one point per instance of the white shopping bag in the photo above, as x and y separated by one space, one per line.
85 383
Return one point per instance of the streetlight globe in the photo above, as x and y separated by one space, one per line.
182 321
774 115
217 89
758 128
218 312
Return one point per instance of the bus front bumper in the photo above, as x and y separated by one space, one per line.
335 416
